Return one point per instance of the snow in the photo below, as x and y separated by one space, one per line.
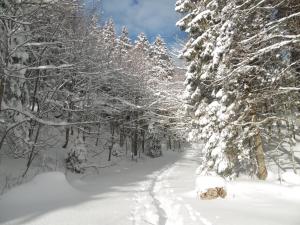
203 183
203 15
220 94
291 178
44 193
46 67
151 191
181 5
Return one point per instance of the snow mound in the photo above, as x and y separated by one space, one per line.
203 183
291 178
43 188
54 183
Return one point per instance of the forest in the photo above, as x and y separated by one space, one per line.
60 69
82 100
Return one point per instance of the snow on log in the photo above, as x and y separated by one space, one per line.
210 187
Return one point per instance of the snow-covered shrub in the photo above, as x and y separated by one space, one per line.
117 150
154 141
155 149
76 158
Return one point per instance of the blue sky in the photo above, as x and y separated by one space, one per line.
152 17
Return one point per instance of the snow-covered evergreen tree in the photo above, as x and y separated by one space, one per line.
232 76
109 41
124 41
123 47
163 66
142 44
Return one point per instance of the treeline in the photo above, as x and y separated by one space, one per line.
243 80
59 67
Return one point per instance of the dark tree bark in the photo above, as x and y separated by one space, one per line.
97 140
143 141
33 153
67 137
169 143
134 144
112 131
1 91
68 128
122 137
126 146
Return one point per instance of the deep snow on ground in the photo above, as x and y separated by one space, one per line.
153 191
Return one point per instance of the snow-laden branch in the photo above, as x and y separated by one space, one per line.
290 88
254 7
48 122
50 67
297 14
276 46
42 43
241 66
270 26
264 121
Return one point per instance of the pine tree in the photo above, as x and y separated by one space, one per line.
142 44
123 47
234 78
109 41
124 41
163 67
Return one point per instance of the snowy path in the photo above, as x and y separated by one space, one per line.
109 198
168 198
159 201
155 191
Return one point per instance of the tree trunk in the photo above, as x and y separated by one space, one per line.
1 91
134 148
68 128
32 152
109 154
112 131
260 157
126 146
134 138
143 141
169 143
259 151
98 133
83 134
67 137
293 158
122 137
293 130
